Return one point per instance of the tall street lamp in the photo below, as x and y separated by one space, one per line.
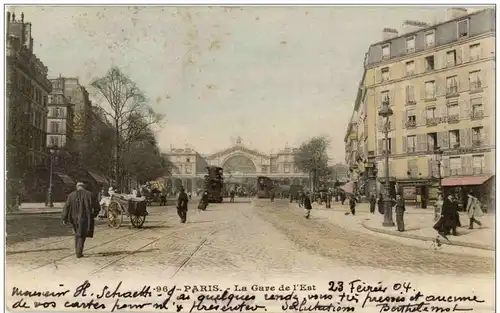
386 112
439 157
52 151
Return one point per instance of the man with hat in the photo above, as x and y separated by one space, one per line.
80 210
182 205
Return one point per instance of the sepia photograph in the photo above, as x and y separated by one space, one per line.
250 158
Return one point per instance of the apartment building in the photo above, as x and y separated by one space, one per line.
440 83
59 117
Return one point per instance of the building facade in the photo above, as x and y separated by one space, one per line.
27 92
60 117
240 164
440 84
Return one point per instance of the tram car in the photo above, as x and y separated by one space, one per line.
265 186
214 184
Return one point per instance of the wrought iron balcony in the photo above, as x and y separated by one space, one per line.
410 102
452 119
451 92
477 142
411 124
478 170
476 86
477 115
433 121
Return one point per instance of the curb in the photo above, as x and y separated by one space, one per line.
424 238
33 213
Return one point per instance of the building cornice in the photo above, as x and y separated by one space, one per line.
430 50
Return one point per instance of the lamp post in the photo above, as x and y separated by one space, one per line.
386 112
439 157
50 204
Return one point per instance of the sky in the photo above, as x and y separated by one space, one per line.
274 76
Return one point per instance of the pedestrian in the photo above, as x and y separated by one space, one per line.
448 220
438 207
182 205
231 194
342 197
380 203
203 202
80 210
373 202
271 195
307 204
352 204
400 210
473 210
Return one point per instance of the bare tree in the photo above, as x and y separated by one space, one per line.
124 100
312 158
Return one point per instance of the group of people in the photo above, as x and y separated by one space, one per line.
448 218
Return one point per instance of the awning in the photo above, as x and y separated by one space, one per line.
65 178
465 181
99 179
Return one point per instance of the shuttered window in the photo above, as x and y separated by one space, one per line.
478 164
430 89
463 28
455 165
429 39
475 52
411 144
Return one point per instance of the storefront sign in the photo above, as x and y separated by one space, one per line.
409 193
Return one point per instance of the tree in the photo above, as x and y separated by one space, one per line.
312 157
124 100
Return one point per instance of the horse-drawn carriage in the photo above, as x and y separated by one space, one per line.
119 205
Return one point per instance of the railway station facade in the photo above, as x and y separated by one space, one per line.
240 163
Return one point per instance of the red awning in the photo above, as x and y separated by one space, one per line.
465 181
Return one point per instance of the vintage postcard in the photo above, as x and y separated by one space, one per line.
250 158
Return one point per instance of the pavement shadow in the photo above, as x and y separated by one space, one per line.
36 250
154 227
200 222
117 253
26 227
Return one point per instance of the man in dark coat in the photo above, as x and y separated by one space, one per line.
352 204
400 210
203 202
80 210
182 205
373 202
342 197
307 204
380 204
448 220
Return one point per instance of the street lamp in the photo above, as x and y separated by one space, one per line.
52 151
439 157
386 112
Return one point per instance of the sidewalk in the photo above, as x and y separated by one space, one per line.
418 225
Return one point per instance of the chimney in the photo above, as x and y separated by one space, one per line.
412 26
453 13
389 33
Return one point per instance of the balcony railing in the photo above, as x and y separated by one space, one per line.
454 145
475 86
433 121
477 142
477 115
411 124
453 119
452 92
454 172
478 170
411 102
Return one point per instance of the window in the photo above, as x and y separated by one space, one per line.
410 68
188 160
287 168
430 113
463 28
453 109
410 94
383 96
386 51
385 74
411 144
454 139
188 168
54 141
477 136
477 108
455 165
475 81
451 85
431 141
411 115
54 127
389 147
429 39
429 63
478 164
430 90
475 52
410 44
451 58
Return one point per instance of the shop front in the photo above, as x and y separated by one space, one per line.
482 186
419 192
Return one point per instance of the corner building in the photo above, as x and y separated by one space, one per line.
440 80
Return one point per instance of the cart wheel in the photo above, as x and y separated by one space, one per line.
115 215
137 220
